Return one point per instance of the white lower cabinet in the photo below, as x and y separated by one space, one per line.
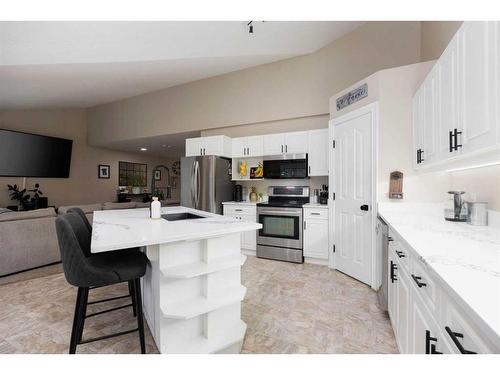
245 213
425 319
315 230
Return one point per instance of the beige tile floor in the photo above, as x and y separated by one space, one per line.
288 308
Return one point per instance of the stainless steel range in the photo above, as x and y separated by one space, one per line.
281 217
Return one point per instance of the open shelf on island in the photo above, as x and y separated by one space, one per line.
201 344
202 305
187 271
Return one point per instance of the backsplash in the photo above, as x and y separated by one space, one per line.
262 185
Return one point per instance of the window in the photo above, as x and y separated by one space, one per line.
132 174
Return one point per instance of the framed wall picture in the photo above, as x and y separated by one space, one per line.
157 175
103 171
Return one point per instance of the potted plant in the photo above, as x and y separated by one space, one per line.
37 193
18 195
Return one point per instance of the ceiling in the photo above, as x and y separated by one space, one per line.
171 146
83 64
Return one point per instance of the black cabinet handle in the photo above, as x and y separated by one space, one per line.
281 148
390 239
454 337
394 267
450 140
429 347
400 254
417 281
364 207
421 158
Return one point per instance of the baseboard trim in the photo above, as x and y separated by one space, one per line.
29 269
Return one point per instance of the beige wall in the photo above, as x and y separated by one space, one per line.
82 186
435 36
294 88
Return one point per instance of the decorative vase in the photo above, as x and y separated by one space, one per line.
253 195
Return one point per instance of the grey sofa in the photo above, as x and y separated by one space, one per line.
28 238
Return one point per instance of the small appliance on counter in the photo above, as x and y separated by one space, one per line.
323 195
456 209
478 213
238 193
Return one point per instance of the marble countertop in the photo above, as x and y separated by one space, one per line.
466 258
118 229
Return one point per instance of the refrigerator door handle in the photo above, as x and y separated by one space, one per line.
197 184
193 168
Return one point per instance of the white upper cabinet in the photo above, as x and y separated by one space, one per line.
478 80
194 147
318 152
296 142
286 143
456 110
274 144
218 145
248 146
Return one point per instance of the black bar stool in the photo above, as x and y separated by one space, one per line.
122 252
88 271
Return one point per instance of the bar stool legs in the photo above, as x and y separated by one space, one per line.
140 320
81 315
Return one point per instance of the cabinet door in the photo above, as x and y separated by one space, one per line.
318 152
316 238
213 145
425 337
296 142
418 126
447 114
193 147
430 106
255 146
392 291
477 87
238 147
403 307
249 239
274 144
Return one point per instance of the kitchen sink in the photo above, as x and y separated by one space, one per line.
181 216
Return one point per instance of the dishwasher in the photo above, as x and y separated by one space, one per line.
383 240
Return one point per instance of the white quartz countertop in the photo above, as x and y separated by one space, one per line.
119 229
466 258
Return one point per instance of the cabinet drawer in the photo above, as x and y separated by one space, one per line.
235 210
461 334
316 213
401 254
424 285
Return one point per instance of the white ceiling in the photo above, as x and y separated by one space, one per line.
171 146
82 64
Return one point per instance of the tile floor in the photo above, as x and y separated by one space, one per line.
288 308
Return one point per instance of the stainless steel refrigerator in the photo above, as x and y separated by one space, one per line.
206 183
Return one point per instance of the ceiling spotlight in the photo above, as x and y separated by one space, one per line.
250 27
144 149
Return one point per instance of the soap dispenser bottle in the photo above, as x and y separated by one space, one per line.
155 208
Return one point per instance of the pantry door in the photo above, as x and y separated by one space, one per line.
353 180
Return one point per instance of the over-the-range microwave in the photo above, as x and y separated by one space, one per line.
285 166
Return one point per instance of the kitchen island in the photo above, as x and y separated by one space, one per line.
192 289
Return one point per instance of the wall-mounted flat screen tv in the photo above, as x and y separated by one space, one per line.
32 155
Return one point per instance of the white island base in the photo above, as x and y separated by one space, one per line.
192 295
